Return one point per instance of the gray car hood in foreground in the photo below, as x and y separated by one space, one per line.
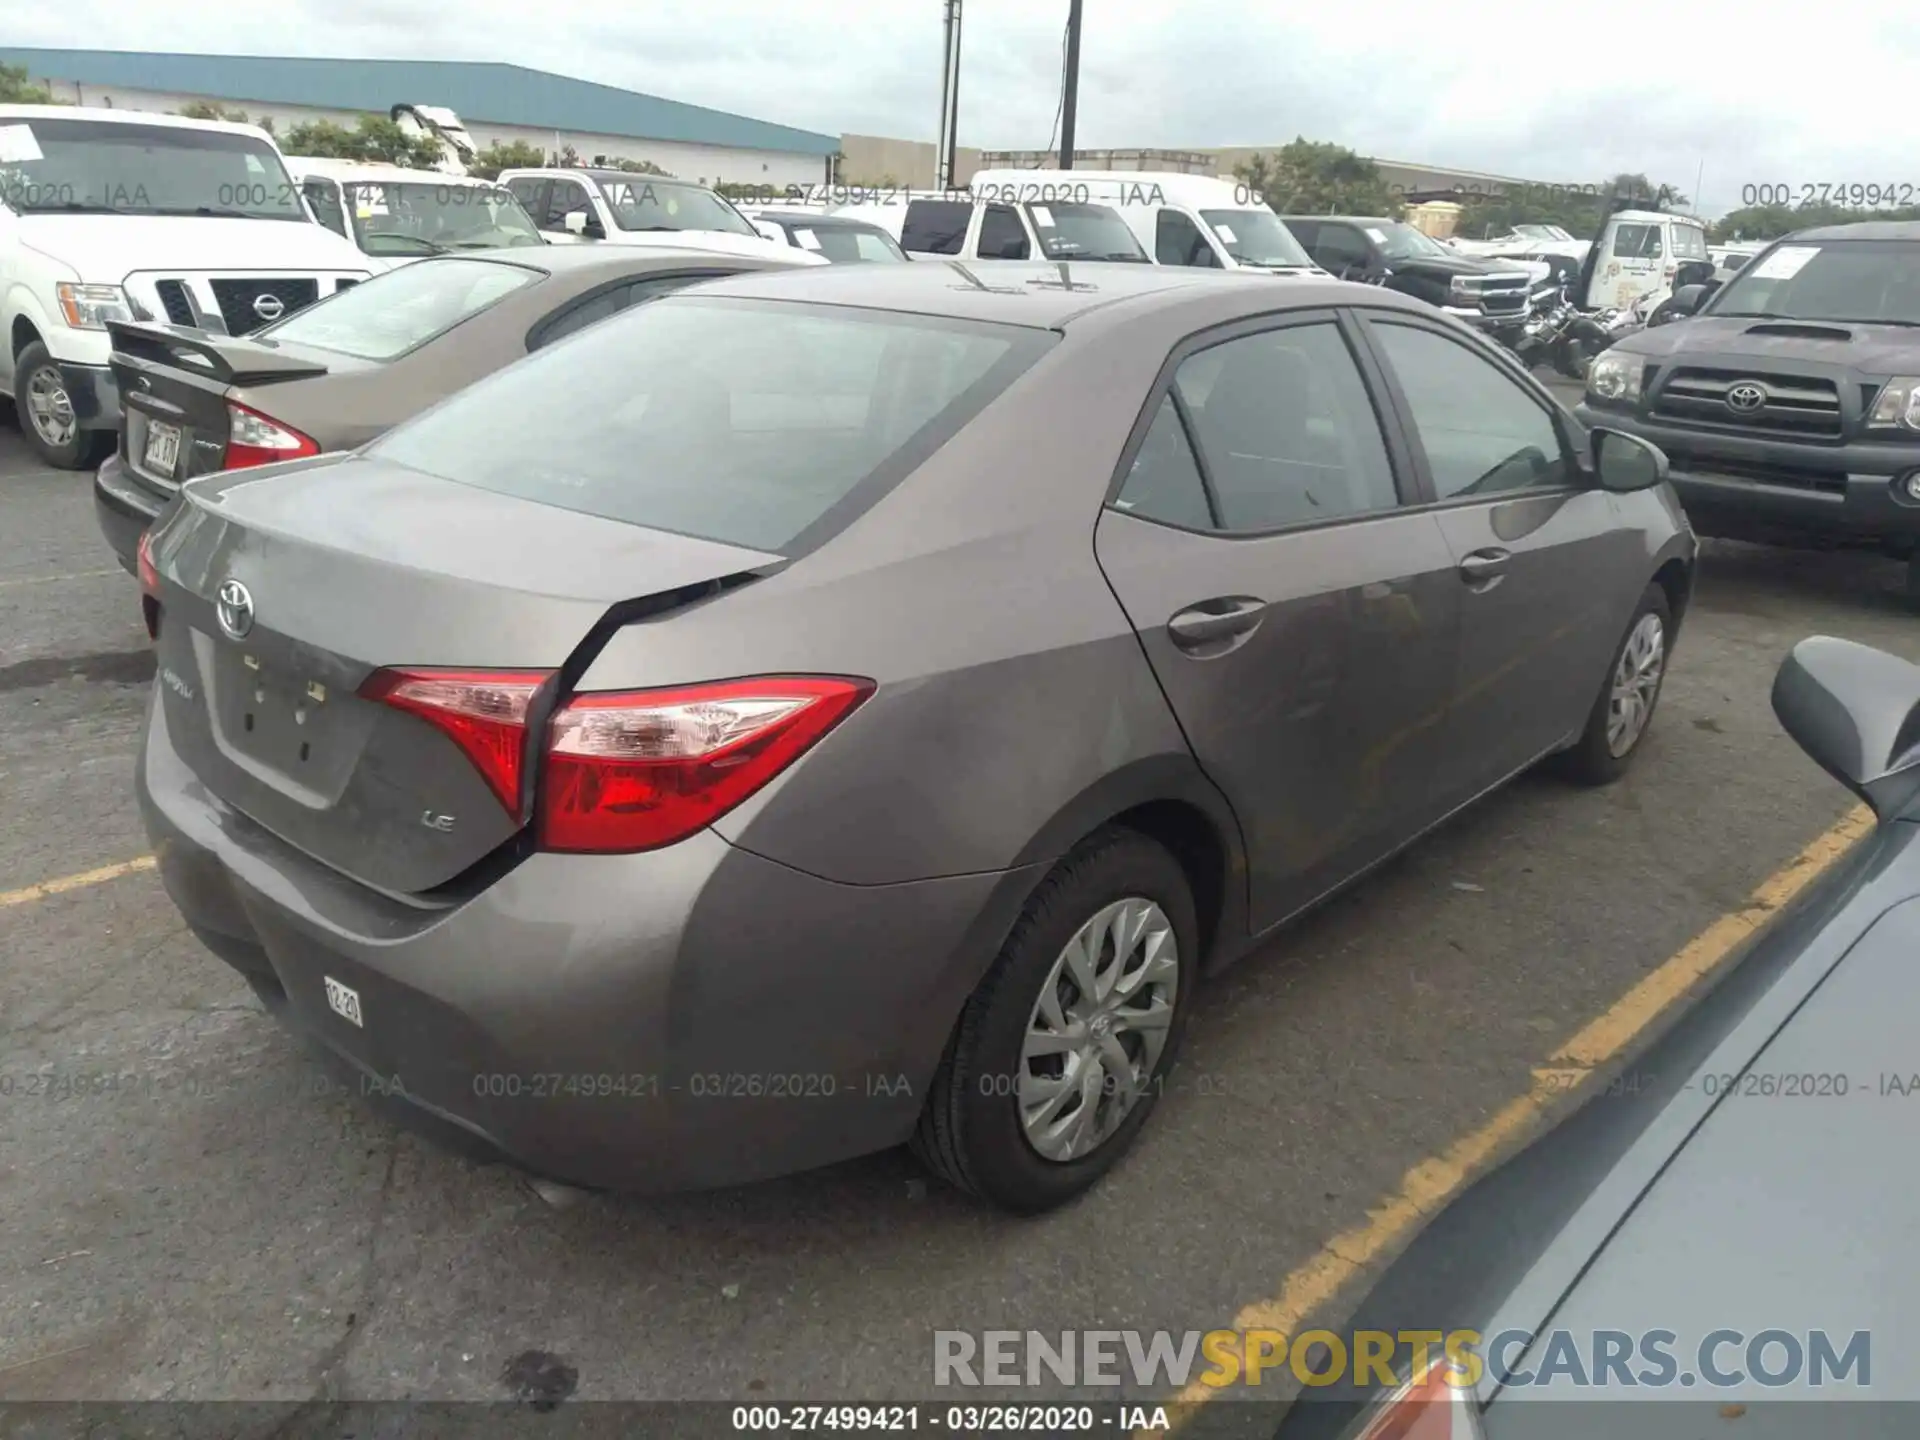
1674 1202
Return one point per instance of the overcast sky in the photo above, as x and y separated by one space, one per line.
1664 87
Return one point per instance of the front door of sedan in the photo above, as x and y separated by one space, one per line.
1547 575
1300 618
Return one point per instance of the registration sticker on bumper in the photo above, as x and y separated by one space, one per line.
343 1001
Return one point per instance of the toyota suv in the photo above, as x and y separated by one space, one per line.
122 215
1788 400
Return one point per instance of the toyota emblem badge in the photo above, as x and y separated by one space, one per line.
1746 397
233 607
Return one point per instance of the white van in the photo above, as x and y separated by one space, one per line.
394 215
123 215
1639 253
1197 220
956 225
617 207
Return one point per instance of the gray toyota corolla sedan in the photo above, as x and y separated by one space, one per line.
822 710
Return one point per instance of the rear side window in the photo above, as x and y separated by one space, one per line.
756 424
936 227
391 314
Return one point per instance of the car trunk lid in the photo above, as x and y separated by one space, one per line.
175 385
350 567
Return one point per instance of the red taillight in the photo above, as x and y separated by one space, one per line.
149 584
1439 1406
256 439
484 712
636 770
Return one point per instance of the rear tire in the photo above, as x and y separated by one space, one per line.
46 416
974 1132
1623 713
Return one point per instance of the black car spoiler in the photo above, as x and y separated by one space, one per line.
228 359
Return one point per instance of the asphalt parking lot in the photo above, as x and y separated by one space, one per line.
231 1226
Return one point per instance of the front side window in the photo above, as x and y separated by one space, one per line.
566 197
324 198
1341 248
647 203
1637 242
740 421
1178 241
1002 236
422 218
115 168
1285 429
395 312
1689 242
1482 433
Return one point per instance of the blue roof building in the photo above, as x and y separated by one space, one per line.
486 94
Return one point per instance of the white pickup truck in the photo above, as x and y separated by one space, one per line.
121 215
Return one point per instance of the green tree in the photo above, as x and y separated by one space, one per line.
1312 177
1770 222
209 110
566 158
506 155
635 167
17 88
375 138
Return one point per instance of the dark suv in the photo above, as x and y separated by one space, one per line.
1491 295
1789 401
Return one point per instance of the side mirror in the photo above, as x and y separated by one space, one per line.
1856 712
1625 463
1688 299
579 222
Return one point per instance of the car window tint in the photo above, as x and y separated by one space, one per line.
739 421
1178 241
325 200
1286 429
1482 432
936 227
1002 236
1164 482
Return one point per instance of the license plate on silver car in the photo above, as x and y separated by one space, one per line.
163 448
343 1001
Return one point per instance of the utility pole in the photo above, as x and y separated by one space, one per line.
946 160
1070 99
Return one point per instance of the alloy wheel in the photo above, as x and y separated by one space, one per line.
1636 684
1097 1030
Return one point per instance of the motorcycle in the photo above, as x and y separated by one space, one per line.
1571 338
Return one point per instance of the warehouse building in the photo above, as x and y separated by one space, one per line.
499 103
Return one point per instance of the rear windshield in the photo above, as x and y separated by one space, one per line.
393 313
1867 281
749 423
845 244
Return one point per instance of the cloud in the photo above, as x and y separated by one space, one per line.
1676 89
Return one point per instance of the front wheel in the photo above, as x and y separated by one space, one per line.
1061 1052
47 422
1620 716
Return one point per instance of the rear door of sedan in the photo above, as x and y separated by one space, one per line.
1298 611
1548 574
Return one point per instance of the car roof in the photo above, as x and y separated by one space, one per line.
1348 219
611 260
93 113
1863 230
374 170
1040 295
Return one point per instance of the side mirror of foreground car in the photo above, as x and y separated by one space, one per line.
1624 462
1855 710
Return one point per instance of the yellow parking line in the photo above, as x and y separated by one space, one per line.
1436 1180
55 579
74 882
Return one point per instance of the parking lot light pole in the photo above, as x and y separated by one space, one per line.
1069 100
948 153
